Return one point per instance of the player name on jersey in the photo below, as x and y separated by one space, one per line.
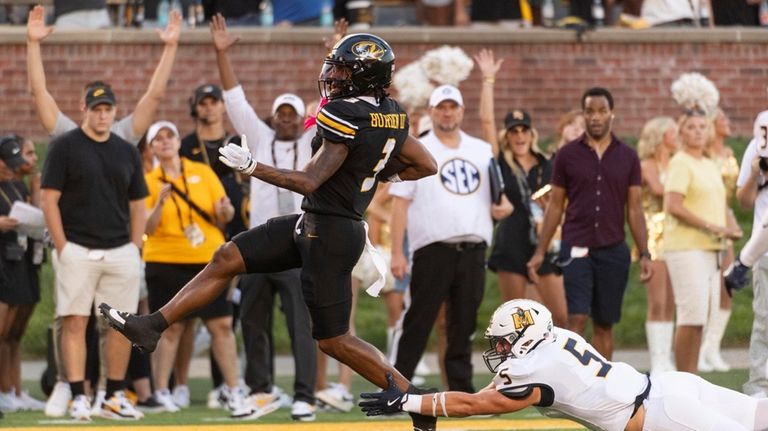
389 121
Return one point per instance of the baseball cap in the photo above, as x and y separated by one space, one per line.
517 117
158 126
443 93
98 94
207 90
10 151
291 100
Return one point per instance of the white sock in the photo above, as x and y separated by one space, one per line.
659 336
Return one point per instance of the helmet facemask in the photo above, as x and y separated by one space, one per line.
335 80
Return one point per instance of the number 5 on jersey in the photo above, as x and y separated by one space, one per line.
587 357
368 182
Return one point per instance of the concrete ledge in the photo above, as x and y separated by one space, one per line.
11 35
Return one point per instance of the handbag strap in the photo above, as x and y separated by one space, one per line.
207 217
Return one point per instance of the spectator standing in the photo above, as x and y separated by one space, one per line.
525 171
752 192
285 145
736 12
657 143
694 234
93 201
131 128
442 12
674 13
187 211
719 129
21 259
448 251
600 177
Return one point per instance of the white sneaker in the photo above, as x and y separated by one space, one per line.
57 403
28 403
181 396
258 405
214 398
98 400
165 398
236 403
80 408
303 411
717 362
8 402
118 407
286 401
704 366
337 396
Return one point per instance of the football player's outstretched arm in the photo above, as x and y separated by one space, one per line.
323 164
448 404
419 160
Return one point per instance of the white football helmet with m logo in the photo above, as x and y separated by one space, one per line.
521 323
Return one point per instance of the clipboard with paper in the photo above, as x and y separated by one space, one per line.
30 218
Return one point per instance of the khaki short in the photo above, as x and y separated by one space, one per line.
87 277
695 277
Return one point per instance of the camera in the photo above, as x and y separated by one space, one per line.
763 163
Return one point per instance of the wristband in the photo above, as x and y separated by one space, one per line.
489 80
412 404
395 179
646 254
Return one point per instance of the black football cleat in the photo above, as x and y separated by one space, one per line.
142 331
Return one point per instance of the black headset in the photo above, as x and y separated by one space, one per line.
192 107
11 137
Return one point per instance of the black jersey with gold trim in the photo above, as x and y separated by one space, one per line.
373 133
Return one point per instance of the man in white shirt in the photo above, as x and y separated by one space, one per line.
751 192
449 250
284 145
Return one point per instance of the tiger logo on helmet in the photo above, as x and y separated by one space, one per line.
358 64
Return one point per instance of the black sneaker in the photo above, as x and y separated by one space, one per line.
150 405
736 276
143 331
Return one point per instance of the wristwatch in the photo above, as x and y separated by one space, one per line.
645 254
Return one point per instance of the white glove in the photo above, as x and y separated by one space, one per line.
238 156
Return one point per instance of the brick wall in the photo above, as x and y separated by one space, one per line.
544 72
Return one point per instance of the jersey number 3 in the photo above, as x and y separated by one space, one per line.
587 357
369 182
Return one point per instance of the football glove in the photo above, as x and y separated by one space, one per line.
386 402
238 157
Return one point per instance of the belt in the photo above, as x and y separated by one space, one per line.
642 397
462 246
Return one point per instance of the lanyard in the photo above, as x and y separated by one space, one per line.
295 154
203 150
15 191
173 196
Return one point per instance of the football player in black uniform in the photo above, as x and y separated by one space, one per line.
360 131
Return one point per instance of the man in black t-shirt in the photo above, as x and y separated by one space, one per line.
206 106
360 130
93 194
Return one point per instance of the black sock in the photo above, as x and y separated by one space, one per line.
77 388
157 321
114 386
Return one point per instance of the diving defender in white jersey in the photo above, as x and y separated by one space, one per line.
557 371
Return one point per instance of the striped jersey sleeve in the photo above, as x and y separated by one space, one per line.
336 124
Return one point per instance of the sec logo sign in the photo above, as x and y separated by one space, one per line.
460 176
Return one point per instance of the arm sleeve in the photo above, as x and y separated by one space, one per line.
244 118
333 124
558 170
63 125
746 163
678 177
137 189
124 129
55 166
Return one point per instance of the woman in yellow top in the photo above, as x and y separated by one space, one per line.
709 356
187 208
694 232
658 142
